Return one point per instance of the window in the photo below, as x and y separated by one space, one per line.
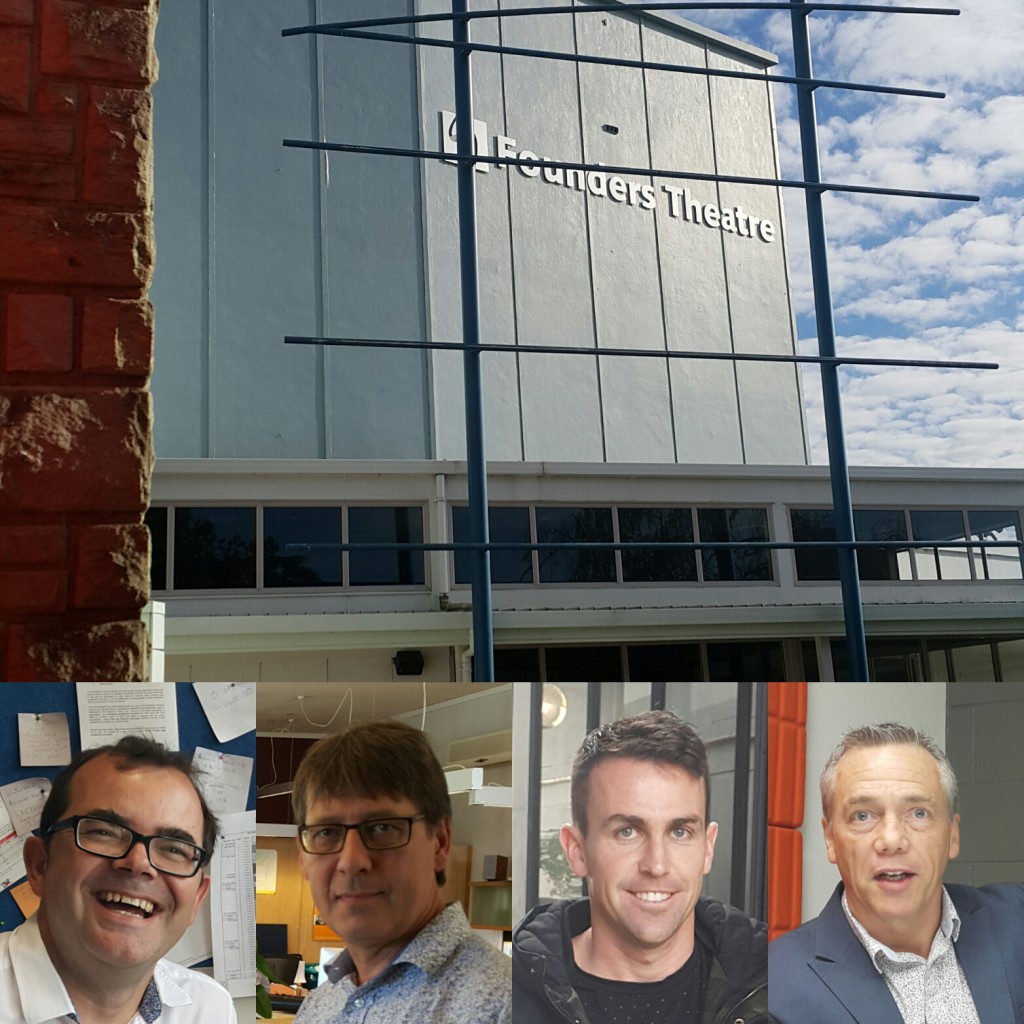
594 664
566 525
665 663
817 524
506 525
283 567
657 525
734 524
156 521
746 662
214 548
382 525
939 563
995 563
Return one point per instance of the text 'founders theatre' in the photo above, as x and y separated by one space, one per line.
264 448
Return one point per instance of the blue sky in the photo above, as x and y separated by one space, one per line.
911 278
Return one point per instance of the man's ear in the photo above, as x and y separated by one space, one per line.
442 843
36 855
571 839
201 893
709 850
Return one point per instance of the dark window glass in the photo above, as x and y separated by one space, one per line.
385 526
657 524
817 524
734 524
517 665
506 525
814 524
746 663
214 548
940 563
665 663
583 664
565 525
809 656
284 567
996 563
156 520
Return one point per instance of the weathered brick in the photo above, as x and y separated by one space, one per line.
33 545
105 651
35 137
117 337
32 591
57 99
64 452
98 41
118 149
40 333
15 69
111 566
52 245
37 179
17 12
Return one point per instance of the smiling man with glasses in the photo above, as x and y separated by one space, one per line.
374 839
118 866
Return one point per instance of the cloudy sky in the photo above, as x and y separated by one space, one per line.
919 279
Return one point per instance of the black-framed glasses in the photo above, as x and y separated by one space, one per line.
169 854
378 834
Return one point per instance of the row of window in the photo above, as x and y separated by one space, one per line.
242 547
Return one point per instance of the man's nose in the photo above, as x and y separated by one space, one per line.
654 857
354 856
892 833
136 859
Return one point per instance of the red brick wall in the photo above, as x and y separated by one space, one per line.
76 256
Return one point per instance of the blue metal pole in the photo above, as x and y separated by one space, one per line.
842 502
476 460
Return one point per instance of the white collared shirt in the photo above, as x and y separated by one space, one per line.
930 990
31 991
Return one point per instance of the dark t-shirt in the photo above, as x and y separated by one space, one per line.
677 999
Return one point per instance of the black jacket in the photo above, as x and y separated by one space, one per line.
737 991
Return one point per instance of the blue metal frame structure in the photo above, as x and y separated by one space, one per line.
472 346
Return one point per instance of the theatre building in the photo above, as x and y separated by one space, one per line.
264 446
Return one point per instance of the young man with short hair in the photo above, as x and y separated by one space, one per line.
645 946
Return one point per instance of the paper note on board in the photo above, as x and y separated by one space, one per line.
109 711
230 708
28 902
24 801
43 739
234 904
224 779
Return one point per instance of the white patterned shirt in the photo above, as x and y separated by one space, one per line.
930 990
31 991
445 975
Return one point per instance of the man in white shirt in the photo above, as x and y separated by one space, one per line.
119 869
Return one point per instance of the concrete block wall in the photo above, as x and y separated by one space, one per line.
76 257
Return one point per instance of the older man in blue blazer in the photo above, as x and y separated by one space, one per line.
894 945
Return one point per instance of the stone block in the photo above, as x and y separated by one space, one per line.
117 337
32 592
111 566
57 99
17 12
15 69
37 179
86 452
33 545
30 136
107 651
51 245
40 333
96 40
118 149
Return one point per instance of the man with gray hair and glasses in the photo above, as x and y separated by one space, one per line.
894 945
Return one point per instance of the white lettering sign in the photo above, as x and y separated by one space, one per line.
682 205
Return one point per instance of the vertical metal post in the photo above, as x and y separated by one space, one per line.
476 461
740 796
535 756
757 899
842 502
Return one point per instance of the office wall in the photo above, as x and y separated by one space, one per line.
985 723
832 708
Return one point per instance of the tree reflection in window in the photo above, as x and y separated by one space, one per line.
568 525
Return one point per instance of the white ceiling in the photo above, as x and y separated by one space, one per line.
276 702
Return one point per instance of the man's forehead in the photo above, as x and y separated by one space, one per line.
618 782
335 804
96 784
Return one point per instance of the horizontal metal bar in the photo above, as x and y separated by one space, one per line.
742 357
646 65
650 172
335 28
669 545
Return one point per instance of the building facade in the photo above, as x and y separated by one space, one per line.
265 447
